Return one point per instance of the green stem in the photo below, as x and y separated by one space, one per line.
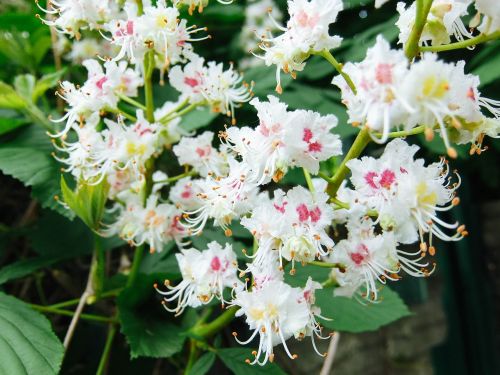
91 317
188 109
131 101
412 44
176 178
121 113
361 141
176 109
327 265
140 8
339 203
148 85
338 66
309 182
481 38
405 133
98 268
193 354
324 176
72 302
209 329
138 255
107 349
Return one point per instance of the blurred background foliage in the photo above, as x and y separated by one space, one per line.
45 252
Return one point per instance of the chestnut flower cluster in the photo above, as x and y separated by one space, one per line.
388 202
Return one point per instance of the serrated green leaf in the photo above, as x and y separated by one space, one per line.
234 359
203 364
27 342
9 98
349 315
87 201
46 82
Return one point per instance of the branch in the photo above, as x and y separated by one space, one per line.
338 67
481 38
412 44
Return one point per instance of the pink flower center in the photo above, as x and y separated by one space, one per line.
383 73
303 212
315 147
203 152
305 20
359 256
215 264
192 82
470 94
101 82
385 179
307 135
315 214
186 193
130 27
280 208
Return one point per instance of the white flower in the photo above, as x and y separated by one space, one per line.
491 11
306 33
205 275
88 48
73 15
155 224
199 153
406 194
257 24
98 92
367 258
293 225
184 194
222 198
378 103
443 20
222 89
474 133
284 139
158 28
275 312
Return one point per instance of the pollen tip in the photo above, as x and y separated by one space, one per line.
234 333
295 356
455 201
432 250
155 285
452 153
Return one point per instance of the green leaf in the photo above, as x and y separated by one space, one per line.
203 364
46 82
9 98
487 70
24 85
234 359
36 169
24 267
72 238
350 315
145 323
87 201
9 124
27 342
199 118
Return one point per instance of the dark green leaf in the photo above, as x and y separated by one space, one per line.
9 124
203 364
234 359
349 315
25 267
197 119
145 323
27 343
